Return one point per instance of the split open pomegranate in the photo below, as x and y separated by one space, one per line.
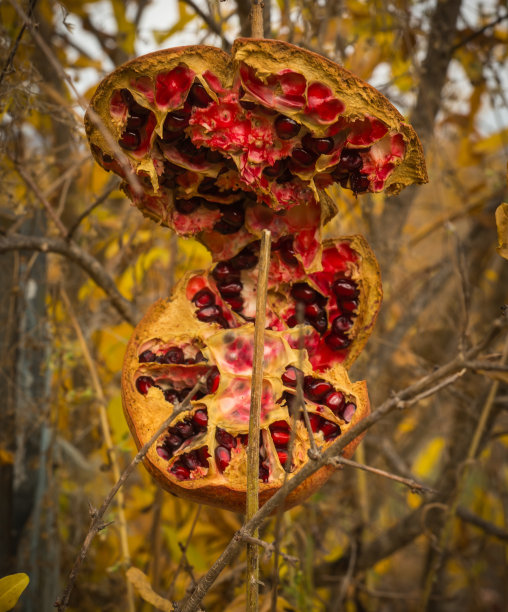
226 146
221 147
202 455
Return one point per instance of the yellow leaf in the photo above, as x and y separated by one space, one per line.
6 457
142 585
502 229
428 458
11 588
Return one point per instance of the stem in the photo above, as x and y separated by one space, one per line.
256 16
255 412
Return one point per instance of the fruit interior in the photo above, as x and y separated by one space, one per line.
206 445
223 149
337 305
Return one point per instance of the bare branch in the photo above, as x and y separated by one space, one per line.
96 271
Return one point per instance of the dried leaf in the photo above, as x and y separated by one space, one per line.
502 229
142 585
11 588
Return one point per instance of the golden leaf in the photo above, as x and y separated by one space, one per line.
142 585
11 588
502 229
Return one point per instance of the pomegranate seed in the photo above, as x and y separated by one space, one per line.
320 323
184 429
286 127
350 159
263 473
198 96
130 140
212 380
315 421
230 289
180 471
349 305
173 441
146 356
224 271
287 252
245 260
176 121
341 324
127 97
174 355
335 401
280 425
320 146
330 430
135 121
348 412
303 157
171 396
191 460
209 314
222 458
186 207
303 293
203 455
285 177
143 383
276 169
292 321
337 343
316 388
200 418
163 453
313 311
280 436
289 378
199 357
359 183
224 438
236 303
344 288
203 298
283 456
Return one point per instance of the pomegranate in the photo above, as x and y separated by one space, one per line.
202 455
225 146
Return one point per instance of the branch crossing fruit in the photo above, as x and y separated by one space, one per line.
224 147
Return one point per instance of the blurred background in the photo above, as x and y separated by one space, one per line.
363 542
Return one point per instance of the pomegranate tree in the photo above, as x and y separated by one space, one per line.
220 147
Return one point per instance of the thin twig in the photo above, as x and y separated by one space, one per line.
108 440
8 63
92 266
183 558
255 418
63 601
409 482
256 16
122 159
104 196
211 23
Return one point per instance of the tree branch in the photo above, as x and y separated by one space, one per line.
96 271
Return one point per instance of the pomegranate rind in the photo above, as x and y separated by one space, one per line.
166 321
360 99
